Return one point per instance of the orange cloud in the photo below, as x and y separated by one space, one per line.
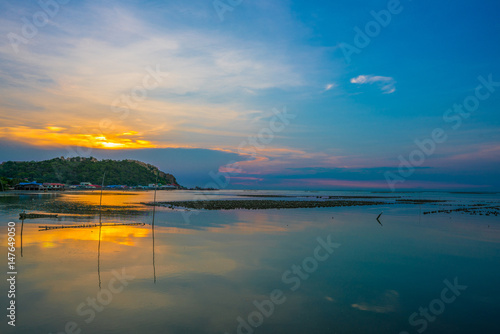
52 135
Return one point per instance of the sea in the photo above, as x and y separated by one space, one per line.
422 262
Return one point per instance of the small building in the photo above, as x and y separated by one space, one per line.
117 187
88 185
168 187
29 186
54 186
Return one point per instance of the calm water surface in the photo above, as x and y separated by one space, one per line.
258 271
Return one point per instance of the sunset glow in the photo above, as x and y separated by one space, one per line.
52 136
257 166
302 100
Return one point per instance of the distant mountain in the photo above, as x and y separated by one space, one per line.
76 170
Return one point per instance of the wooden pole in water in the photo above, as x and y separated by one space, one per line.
100 200
154 201
379 217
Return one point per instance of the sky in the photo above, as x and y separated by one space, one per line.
385 95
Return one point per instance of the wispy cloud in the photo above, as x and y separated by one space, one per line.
329 86
386 84
386 303
221 81
74 75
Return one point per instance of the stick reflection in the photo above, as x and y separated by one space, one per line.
153 229
22 226
100 227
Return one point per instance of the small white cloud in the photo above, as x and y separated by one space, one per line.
328 87
386 84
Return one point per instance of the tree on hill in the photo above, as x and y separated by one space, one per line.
76 170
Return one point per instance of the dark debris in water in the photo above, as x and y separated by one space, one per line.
319 197
65 207
474 210
262 204
419 201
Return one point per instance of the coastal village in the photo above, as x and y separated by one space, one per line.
78 173
35 186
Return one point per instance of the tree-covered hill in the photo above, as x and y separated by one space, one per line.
76 170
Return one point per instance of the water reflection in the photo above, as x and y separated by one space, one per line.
99 254
378 219
154 265
153 230
22 227
100 228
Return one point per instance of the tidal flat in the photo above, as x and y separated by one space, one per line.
262 204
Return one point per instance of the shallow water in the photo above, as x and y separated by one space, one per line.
211 271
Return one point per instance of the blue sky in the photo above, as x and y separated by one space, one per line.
86 78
